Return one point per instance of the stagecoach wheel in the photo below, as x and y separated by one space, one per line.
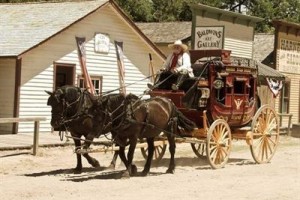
264 135
199 149
159 152
218 145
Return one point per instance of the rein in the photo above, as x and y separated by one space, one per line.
67 106
117 89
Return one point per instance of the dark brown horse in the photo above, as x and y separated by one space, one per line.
133 120
74 110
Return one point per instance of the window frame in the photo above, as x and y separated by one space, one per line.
98 89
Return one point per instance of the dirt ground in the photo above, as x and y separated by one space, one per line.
49 176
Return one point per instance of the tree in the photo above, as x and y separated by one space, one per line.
269 10
137 10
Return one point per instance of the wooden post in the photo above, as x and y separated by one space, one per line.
36 137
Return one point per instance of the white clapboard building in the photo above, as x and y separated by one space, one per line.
38 52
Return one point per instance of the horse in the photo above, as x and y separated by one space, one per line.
75 110
137 119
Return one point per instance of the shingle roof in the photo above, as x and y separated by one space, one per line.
166 32
263 52
263 47
23 26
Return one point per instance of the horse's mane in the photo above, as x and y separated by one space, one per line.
70 93
115 100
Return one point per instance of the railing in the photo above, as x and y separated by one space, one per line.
36 121
281 115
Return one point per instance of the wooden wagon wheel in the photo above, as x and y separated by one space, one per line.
159 152
199 149
218 145
264 135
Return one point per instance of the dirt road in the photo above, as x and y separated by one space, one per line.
49 176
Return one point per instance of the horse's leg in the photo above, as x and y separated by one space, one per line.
88 140
132 169
150 142
79 162
124 159
114 160
172 147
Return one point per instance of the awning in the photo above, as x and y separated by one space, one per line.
265 71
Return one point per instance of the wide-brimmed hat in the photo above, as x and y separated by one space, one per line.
178 43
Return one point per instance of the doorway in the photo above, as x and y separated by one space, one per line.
64 74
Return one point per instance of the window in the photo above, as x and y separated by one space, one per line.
97 82
239 87
285 97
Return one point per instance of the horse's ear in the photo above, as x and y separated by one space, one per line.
50 93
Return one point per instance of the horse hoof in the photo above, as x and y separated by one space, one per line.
170 171
111 166
144 173
96 164
133 169
125 175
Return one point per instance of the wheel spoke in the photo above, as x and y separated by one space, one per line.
269 147
273 142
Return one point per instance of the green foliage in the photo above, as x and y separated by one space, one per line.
137 10
269 10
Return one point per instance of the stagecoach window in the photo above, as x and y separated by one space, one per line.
97 82
252 87
239 87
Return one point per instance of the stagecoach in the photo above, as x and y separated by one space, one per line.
222 100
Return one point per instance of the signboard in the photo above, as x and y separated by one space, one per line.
289 56
209 37
101 43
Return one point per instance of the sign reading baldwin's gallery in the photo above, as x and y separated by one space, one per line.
209 37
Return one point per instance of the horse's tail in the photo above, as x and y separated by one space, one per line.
184 122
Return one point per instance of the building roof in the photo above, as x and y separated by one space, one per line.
286 23
263 48
26 25
166 32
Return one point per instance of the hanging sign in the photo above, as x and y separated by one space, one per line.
101 43
209 37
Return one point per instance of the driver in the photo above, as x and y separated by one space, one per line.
178 65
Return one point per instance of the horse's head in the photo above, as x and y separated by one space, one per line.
64 104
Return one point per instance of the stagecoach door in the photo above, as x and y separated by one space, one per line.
64 74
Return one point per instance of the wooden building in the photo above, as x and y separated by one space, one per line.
228 30
287 61
38 52
236 33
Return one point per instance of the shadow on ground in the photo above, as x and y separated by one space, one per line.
108 173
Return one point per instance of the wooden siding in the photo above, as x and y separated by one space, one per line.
37 64
294 99
289 33
266 96
7 91
239 48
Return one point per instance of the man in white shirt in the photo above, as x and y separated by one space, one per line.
178 65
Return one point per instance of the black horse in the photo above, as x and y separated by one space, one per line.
136 119
75 110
